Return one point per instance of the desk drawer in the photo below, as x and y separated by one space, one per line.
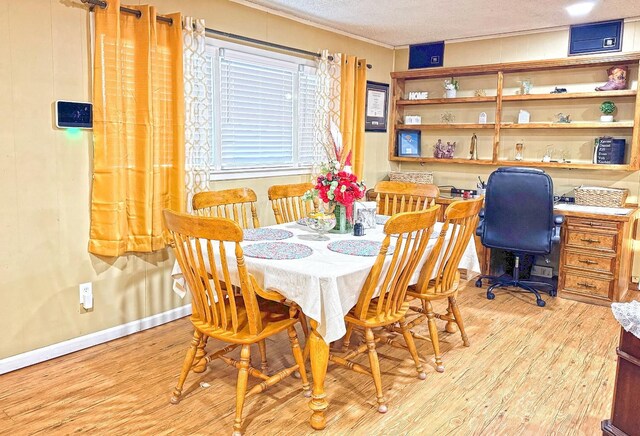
593 224
590 262
591 240
575 282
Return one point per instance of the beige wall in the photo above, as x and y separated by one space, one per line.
534 46
45 173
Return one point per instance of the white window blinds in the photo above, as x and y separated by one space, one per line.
263 110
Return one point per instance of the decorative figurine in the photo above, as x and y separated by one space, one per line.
480 93
482 119
447 117
547 154
526 86
607 108
473 150
617 79
441 151
557 90
523 117
562 118
519 150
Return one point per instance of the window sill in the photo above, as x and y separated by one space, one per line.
257 173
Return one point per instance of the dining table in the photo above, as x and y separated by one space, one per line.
323 277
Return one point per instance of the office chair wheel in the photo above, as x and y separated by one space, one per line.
541 303
479 283
490 295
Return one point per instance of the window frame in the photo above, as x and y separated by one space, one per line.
213 47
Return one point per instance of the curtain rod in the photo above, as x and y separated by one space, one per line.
103 4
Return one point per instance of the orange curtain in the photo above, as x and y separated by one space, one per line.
138 158
353 85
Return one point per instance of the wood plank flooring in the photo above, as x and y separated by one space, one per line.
529 371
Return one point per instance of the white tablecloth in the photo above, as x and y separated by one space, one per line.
326 284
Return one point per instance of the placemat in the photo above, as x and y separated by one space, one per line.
357 247
303 221
266 234
278 250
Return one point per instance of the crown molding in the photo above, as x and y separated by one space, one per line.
310 23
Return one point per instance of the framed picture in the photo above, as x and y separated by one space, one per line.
377 104
408 143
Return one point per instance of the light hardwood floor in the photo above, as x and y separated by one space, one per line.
529 370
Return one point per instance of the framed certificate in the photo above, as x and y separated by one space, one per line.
377 104
409 143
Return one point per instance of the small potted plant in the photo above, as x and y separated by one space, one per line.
607 108
450 87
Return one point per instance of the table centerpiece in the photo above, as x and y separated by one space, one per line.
338 188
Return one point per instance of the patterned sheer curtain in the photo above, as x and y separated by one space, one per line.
341 99
198 107
328 106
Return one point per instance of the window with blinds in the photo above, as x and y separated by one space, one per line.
263 110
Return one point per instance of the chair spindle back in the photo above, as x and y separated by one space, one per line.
287 202
410 233
461 220
202 255
235 204
397 197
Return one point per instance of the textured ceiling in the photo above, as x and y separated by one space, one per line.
401 22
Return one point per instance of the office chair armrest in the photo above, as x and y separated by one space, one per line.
480 228
557 220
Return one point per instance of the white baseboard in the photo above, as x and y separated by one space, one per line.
60 349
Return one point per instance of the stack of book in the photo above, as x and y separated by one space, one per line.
609 150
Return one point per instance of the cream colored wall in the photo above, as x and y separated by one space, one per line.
534 46
45 173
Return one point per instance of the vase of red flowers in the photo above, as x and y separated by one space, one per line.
337 187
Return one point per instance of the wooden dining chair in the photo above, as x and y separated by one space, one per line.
218 313
237 204
440 278
287 202
382 298
395 197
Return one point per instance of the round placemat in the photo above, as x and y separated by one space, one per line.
278 250
266 234
357 247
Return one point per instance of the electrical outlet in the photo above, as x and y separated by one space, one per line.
86 295
541 271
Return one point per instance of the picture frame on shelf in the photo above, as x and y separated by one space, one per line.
376 107
408 143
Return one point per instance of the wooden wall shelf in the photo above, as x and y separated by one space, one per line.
629 127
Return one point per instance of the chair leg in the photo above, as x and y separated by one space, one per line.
241 388
433 332
186 366
200 363
375 369
450 327
264 365
347 338
412 349
297 355
458 317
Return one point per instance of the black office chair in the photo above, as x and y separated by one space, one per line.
518 217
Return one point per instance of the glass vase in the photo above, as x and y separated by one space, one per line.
343 224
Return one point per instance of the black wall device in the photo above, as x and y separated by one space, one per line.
599 37
426 55
73 114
